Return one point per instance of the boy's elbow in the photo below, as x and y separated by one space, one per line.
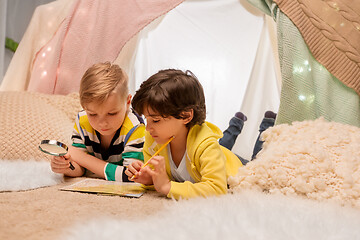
221 189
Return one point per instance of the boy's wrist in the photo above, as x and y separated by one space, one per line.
165 189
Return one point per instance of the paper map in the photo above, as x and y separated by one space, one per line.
106 187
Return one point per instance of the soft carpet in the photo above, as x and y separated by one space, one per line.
249 215
44 213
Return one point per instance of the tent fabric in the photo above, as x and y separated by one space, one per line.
3 7
91 31
309 89
45 21
227 45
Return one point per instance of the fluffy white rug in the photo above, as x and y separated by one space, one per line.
17 175
247 215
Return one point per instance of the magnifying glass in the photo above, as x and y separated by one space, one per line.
54 148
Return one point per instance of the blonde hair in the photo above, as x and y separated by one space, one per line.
100 80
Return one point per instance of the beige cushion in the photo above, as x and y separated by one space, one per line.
27 118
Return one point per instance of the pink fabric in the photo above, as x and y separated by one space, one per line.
95 31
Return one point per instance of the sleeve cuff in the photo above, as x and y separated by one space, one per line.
113 172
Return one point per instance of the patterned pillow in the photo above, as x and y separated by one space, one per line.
26 118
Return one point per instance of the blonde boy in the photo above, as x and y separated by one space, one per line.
107 134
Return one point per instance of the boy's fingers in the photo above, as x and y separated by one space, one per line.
59 161
128 170
148 170
57 158
154 162
58 167
139 164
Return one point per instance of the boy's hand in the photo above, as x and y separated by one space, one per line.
159 176
60 164
134 170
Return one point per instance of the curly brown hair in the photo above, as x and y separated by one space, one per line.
172 92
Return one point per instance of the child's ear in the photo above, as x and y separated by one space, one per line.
188 116
128 100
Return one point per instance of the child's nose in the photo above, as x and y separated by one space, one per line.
103 122
148 127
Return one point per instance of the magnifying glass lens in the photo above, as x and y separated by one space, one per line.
54 148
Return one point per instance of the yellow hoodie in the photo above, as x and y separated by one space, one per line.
208 163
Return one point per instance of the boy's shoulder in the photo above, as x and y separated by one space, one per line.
133 115
206 133
205 130
82 124
82 118
131 120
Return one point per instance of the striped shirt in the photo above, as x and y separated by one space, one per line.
126 145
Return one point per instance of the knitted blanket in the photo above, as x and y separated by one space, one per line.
318 44
331 29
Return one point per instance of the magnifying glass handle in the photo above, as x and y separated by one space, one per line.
72 166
